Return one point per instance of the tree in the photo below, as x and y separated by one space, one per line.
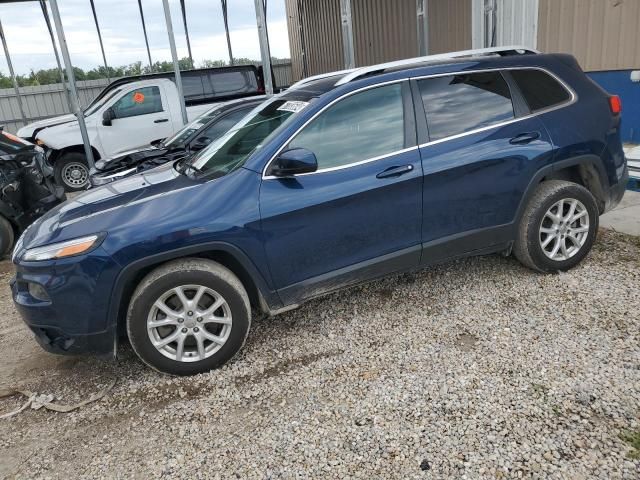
52 75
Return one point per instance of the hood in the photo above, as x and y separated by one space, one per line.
130 158
106 206
62 135
31 130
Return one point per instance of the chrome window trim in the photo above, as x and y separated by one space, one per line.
334 101
571 101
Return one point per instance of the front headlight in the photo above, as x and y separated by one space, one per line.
69 248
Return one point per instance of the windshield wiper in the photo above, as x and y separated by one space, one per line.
186 165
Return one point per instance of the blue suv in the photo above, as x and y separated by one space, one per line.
343 178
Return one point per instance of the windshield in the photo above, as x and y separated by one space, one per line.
100 103
189 129
232 149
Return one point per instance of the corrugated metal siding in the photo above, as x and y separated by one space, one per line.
322 36
517 22
384 30
602 34
295 44
449 25
42 101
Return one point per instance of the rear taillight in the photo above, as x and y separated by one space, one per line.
615 104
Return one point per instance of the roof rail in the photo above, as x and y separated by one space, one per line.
299 83
359 72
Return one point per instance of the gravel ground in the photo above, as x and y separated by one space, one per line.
474 369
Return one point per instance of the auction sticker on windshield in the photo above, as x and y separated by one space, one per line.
293 106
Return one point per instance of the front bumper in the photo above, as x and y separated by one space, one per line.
75 317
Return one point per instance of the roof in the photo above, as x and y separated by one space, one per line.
328 81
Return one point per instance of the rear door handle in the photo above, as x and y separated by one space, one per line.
395 171
524 138
161 120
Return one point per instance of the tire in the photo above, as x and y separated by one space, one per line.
542 230
6 237
180 321
71 172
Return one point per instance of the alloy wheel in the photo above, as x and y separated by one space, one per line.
189 323
564 229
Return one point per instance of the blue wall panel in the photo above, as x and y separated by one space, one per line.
619 83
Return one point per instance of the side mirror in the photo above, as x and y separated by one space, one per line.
294 162
108 116
199 143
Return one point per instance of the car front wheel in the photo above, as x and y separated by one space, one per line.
72 172
558 227
188 316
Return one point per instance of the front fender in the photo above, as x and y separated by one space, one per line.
132 273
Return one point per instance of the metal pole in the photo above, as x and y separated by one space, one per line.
226 29
72 82
13 75
174 55
146 39
347 34
45 12
423 27
104 57
186 31
301 32
264 46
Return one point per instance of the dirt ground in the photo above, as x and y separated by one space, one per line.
479 368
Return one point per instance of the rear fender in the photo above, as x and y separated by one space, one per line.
592 172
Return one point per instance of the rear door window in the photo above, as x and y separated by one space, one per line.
360 127
539 89
456 104
141 101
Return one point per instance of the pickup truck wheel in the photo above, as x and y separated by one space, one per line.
188 316
72 172
6 237
558 227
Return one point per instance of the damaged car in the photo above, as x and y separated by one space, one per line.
27 190
190 139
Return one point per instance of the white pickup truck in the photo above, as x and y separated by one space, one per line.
130 113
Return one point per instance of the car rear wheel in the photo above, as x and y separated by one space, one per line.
6 237
188 316
72 172
558 227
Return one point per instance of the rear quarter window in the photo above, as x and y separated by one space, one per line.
539 89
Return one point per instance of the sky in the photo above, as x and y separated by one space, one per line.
30 45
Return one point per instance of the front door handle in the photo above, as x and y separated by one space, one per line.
524 138
395 171
161 120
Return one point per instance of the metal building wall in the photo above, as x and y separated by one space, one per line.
384 30
515 23
518 21
322 36
43 101
449 25
601 34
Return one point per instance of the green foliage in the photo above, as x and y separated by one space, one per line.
633 439
52 75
